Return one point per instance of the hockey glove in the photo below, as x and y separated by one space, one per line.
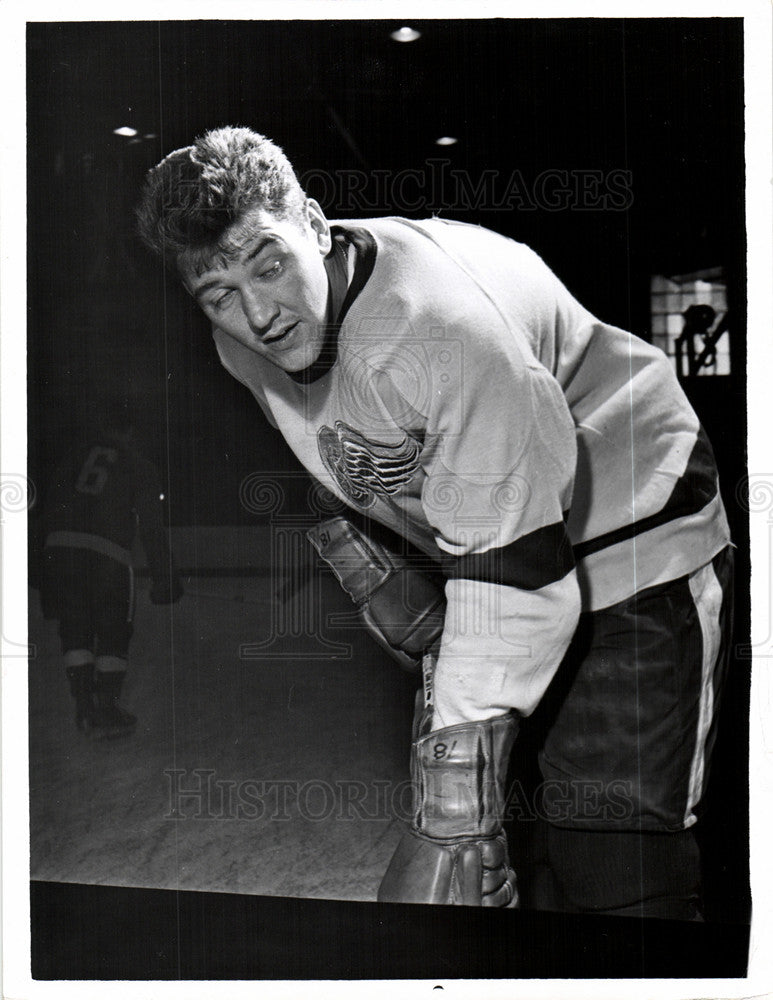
455 851
402 607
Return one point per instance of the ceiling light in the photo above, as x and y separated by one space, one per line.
446 140
150 135
405 35
125 130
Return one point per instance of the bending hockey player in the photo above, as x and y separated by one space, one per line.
438 378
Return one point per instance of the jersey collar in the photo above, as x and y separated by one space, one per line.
341 295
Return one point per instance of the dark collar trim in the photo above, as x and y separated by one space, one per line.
365 248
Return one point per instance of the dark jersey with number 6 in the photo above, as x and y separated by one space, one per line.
106 488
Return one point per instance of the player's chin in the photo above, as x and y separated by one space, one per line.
295 358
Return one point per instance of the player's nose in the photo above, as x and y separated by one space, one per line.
260 312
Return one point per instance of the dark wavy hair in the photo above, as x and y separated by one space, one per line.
191 199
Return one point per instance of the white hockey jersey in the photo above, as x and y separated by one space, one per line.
466 400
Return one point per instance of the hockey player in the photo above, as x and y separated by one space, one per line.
98 496
439 379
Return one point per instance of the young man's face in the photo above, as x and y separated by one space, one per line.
272 296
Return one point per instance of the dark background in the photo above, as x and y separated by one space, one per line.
659 98
662 99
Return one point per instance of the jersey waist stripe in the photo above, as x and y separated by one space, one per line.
84 540
696 488
530 562
666 552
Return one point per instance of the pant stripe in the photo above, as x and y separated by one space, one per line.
707 595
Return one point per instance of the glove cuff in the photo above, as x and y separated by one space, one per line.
401 604
360 565
459 776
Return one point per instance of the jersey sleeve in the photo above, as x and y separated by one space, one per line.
500 457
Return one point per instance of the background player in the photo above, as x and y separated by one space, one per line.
439 379
98 496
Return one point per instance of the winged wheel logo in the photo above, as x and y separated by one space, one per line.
366 469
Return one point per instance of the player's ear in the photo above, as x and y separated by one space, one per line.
319 225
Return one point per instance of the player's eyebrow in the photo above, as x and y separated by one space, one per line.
198 292
259 246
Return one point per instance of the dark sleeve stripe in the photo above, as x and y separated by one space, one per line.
693 490
529 563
